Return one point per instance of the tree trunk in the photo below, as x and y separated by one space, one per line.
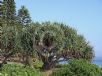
47 63
46 66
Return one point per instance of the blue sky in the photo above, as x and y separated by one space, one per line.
83 15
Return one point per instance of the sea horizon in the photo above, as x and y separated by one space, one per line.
97 61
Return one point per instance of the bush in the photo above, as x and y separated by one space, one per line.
18 70
37 64
78 68
60 65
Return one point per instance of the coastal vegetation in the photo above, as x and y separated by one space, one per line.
18 70
30 48
78 68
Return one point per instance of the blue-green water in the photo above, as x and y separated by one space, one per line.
98 61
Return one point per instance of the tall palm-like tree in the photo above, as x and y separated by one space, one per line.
10 41
48 43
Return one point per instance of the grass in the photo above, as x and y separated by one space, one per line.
47 73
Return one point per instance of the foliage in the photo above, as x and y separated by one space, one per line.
60 65
54 41
9 11
18 70
37 64
10 42
78 68
27 43
76 45
10 36
23 16
47 41
9 6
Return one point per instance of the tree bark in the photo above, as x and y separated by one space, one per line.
48 63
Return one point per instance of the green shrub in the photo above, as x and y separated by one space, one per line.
60 65
18 70
37 64
78 68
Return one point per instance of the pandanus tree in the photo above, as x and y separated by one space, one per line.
48 43
26 43
9 41
54 41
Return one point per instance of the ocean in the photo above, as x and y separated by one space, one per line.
98 61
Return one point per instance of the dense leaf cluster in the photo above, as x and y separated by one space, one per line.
78 68
18 70
48 41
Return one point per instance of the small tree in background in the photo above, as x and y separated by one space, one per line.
9 12
24 16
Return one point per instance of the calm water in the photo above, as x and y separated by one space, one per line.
98 61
